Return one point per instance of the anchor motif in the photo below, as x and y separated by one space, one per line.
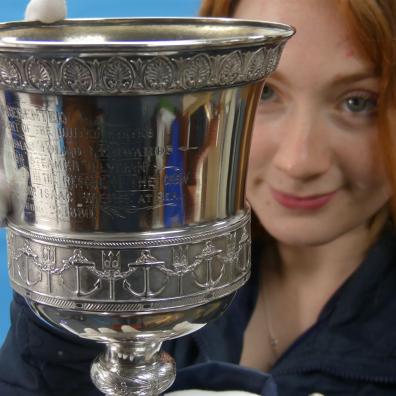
78 262
29 257
209 253
146 263
48 263
180 266
232 255
244 249
111 264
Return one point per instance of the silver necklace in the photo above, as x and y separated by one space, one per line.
273 340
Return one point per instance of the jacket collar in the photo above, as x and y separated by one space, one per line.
354 337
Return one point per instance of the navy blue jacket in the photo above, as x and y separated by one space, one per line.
351 350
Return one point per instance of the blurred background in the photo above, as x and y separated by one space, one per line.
11 10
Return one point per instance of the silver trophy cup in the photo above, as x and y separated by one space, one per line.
126 145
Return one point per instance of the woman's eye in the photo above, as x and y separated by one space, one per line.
360 104
268 93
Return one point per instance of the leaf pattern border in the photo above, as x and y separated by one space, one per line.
154 74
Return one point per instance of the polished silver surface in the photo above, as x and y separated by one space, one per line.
139 34
145 374
139 56
130 164
126 143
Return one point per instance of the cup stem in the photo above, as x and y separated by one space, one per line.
133 368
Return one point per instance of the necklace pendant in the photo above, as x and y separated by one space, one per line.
274 342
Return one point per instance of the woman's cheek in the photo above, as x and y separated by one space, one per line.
360 165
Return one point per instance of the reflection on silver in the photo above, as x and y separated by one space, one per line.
129 140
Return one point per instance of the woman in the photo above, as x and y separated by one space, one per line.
317 312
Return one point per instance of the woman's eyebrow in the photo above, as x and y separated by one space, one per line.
339 79
350 78
276 75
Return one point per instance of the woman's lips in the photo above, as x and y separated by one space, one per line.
306 203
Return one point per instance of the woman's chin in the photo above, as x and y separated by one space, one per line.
297 234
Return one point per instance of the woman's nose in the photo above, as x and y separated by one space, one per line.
303 150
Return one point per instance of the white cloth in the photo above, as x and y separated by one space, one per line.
46 11
197 392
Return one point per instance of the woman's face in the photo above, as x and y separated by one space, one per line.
314 174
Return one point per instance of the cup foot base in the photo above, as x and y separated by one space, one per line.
133 370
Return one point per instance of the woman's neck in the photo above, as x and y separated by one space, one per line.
295 285
331 263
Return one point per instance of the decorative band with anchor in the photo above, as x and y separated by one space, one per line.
179 272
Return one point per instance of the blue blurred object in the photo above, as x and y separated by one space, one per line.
12 10
5 290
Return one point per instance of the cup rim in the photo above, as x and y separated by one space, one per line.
144 33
